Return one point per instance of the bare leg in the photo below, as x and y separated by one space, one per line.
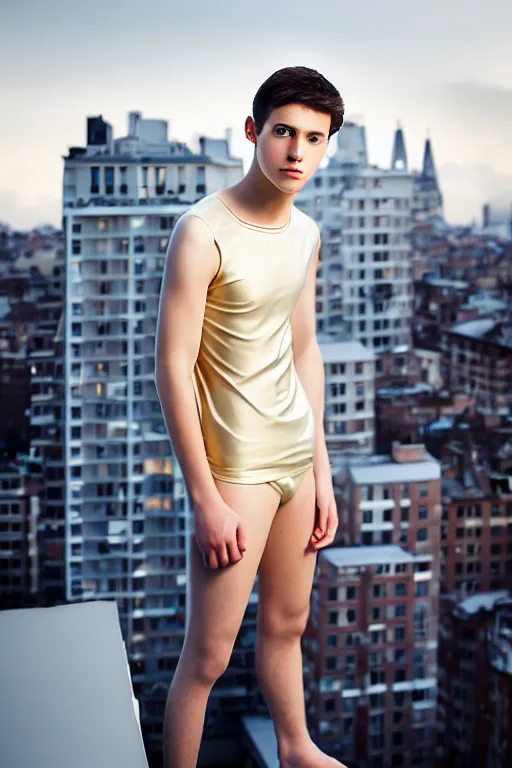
285 582
216 604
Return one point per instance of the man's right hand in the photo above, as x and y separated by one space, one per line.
220 534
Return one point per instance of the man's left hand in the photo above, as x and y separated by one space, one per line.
326 523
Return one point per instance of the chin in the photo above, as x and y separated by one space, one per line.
291 186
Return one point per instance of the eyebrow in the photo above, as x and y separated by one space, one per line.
291 127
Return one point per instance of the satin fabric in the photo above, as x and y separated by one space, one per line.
256 419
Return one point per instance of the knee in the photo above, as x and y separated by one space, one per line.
284 625
210 660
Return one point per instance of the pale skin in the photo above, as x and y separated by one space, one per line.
241 529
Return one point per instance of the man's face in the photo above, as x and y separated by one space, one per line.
293 137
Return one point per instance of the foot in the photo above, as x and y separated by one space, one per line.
308 756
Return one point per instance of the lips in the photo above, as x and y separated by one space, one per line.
291 170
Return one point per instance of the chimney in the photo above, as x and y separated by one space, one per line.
407 453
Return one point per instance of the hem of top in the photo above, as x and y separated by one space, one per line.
262 478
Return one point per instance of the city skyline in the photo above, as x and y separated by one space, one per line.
445 75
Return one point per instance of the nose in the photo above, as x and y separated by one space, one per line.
295 149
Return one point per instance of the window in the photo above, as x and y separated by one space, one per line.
400 610
419 665
351 593
421 588
109 180
330 662
351 616
332 617
332 641
400 589
332 593
399 698
377 676
423 489
422 534
423 512
95 180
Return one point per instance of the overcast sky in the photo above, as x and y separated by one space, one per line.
442 68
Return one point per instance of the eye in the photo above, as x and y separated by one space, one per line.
281 128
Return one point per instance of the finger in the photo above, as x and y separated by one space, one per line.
323 517
321 521
212 559
332 527
234 553
222 555
240 538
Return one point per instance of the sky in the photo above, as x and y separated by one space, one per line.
441 69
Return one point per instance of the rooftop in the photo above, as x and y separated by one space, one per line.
388 471
260 739
481 601
345 557
345 352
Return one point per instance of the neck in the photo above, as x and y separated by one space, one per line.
260 199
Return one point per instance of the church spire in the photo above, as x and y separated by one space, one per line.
399 155
429 169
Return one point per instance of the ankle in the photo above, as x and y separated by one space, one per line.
291 751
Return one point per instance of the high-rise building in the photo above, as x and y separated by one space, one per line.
125 503
349 396
371 642
370 658
475 681
364 213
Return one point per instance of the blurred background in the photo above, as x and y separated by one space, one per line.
117 118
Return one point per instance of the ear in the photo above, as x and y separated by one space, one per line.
250 129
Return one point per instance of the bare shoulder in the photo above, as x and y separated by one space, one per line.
192 247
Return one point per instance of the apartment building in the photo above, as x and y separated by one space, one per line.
475 677
377 600
126 509
370 658
19 507
476 530
364 281
349 396
478 355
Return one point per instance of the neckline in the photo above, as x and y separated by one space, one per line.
257 227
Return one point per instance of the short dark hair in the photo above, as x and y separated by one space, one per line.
298 85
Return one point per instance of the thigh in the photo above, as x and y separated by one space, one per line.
288 563
217 599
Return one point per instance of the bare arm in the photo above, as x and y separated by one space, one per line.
310 369
308 361
191 263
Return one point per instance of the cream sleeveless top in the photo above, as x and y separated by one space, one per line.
256 419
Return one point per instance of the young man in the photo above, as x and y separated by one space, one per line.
241 382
